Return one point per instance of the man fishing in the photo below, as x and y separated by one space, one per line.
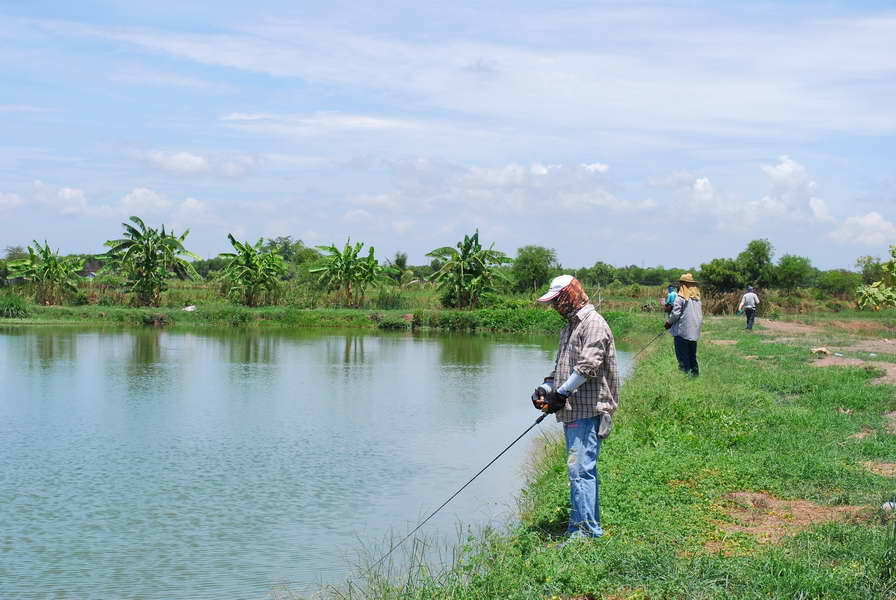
583 392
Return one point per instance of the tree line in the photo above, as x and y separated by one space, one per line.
144 259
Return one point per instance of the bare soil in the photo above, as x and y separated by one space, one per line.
881 468
787 327
858 326
770 519
889 376
723 342
882 346
891 422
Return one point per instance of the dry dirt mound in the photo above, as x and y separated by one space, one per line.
788 327
881 468
770 519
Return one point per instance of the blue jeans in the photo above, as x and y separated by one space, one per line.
686 353
582 450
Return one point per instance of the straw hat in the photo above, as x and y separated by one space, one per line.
688 278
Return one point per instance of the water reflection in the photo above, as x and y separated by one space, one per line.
229 459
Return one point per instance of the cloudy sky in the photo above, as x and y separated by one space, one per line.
629 132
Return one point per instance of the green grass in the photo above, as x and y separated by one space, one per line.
514 320
680 446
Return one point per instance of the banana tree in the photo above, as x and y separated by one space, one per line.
253 271
467 271
148 257
52 276
349 272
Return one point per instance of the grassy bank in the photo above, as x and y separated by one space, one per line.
675 477
515 320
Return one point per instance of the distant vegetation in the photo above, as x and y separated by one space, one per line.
153 267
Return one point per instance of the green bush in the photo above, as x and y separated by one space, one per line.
13 306
396 323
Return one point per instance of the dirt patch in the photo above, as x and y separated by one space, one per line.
882 345
881 468
891 422
723 342
860 326
770 519
889 369
861 435
786 327
751 357
838 361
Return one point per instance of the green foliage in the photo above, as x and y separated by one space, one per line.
13 306
467 271
755 263
794 272
532 267
52 276
293 251
838 282
148 257
871 268
348 271
881 293
251 271
721 274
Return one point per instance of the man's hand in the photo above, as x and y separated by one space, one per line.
538 399
667 324
554 401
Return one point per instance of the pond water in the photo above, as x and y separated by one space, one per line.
222 463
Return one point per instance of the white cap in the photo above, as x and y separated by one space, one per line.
557 286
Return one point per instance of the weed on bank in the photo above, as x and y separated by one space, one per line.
682 450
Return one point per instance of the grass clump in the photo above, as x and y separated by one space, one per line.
13 306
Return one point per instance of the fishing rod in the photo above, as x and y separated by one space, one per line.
647 345
481 471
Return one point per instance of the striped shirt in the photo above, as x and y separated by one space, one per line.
586 345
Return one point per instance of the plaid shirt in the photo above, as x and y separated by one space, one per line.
586 345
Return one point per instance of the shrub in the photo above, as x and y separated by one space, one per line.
395 323
13 306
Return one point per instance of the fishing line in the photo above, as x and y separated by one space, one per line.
658 336
481 471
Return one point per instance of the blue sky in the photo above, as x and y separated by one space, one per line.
631 132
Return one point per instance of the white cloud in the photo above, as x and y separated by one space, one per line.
402 226
871 229
423 186
238 166
10 201
65 200
357 215
182 163
316 124
792 194
143 200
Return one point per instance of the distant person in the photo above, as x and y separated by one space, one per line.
748 303
583 392
684 323
670 298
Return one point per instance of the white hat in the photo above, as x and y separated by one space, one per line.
557 286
